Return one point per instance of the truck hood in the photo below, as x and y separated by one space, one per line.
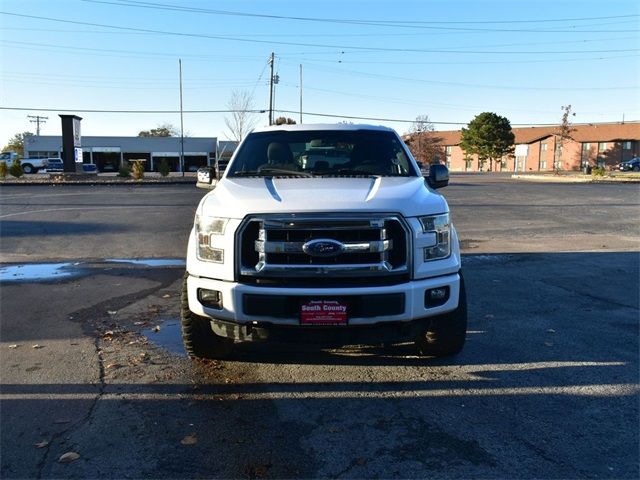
238 197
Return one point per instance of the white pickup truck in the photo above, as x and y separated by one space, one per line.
29 165
324 233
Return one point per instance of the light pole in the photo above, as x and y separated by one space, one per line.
181 122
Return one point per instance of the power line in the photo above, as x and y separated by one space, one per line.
383 23
89 110
315 45
313 114
470 85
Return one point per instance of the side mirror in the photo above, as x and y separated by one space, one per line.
206 178
438 176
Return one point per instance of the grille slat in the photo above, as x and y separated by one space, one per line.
373 246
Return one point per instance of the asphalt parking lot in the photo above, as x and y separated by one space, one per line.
91 362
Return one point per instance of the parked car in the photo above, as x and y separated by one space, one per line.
630 165
29 165
54 165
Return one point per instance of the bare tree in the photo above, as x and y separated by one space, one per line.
564 134
243 117
424 145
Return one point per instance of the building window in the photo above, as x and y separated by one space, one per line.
602 146
43 154
447 156
626 145
544 147
586 147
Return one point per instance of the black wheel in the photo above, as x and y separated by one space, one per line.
446 333
197 336
636 168
28 168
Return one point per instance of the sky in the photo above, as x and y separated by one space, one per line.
377 62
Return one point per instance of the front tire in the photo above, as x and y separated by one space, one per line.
197 336
446 333
28 168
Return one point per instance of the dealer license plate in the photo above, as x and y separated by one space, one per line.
323 312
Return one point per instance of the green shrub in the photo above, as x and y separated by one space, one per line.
16 168
597 171
164 167
4 170
137 169
124 171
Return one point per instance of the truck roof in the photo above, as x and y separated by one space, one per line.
323 126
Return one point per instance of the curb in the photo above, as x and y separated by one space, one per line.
57 181
574 179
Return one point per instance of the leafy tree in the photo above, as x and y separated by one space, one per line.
489 136
564 133
16 143
16 168
424 146
285 121
163 130
242 115
164 167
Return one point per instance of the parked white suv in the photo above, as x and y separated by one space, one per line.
324 233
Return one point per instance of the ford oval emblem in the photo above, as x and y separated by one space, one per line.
323 247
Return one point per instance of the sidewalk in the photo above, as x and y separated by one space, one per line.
575 177
100 178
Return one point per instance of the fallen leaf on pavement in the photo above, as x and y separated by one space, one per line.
36 346
257 471
42 444
189 440
166 295
113 365
69 457
14 346
112 312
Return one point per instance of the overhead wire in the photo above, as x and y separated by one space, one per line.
378 23
314 45
307 113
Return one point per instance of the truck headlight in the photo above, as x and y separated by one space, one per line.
441 226
208 231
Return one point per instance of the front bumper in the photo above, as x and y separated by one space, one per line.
235 311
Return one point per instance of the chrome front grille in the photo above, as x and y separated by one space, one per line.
303 246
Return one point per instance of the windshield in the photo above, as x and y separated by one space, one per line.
322 153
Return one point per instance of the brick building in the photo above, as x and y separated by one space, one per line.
596 144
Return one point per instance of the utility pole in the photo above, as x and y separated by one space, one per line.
37 119
181 122
300 93
271 90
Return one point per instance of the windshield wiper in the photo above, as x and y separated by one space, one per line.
351 172
267 172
